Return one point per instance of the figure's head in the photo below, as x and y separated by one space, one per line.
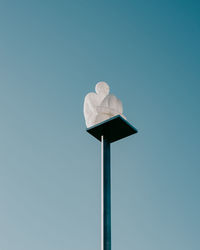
102 88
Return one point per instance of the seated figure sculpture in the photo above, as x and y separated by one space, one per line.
101 105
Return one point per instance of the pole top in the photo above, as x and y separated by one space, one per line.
113 129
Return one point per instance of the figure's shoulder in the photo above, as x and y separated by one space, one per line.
90 95
110 98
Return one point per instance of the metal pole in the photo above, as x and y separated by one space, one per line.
105 195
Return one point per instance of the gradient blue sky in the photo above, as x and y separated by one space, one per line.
51 54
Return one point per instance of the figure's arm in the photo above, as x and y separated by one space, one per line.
90 109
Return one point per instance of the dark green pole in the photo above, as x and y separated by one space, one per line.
105 195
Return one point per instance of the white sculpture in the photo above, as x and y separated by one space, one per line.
101 106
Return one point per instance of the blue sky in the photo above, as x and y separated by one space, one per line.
52 53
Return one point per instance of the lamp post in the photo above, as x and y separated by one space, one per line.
107 132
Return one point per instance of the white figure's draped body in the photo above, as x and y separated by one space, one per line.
101 105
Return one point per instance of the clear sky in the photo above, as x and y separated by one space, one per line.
52 53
